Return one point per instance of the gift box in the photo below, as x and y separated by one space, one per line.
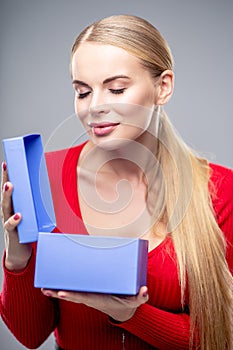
67 261
31 194
87 263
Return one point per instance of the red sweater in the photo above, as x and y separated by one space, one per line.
158 324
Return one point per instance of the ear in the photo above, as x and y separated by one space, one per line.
166 86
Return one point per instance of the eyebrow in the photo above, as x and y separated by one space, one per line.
106 81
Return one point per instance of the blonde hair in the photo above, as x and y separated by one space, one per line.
199 243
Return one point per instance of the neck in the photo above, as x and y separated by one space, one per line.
136 159
132 161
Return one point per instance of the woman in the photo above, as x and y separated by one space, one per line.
122 72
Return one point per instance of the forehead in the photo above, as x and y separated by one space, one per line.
92 59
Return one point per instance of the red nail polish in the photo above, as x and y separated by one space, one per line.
144 294
4 166
61 296
48 294
16 217
6 187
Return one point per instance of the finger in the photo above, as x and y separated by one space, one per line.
78 297
7 209
11 224
71 296
4 177
143 294
68 295
49 293
96 300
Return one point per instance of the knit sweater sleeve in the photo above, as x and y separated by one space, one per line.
167 330
29 315
223 206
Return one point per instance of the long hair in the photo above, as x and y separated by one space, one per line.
199 243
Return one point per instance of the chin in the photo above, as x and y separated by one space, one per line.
111 144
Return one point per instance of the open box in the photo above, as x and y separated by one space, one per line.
31 193
86 263
67 261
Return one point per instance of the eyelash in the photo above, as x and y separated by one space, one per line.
113 91
117 91
85 94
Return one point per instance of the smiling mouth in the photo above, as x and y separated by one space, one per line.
103 129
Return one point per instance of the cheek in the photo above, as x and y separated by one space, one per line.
135 115
143 95
81 109
78 105
75 106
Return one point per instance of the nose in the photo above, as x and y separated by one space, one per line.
98 104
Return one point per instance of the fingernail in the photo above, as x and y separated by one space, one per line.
145 294
47 293
16 217
4 166
61 295
6 187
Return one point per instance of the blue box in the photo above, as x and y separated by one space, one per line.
87 263
31 194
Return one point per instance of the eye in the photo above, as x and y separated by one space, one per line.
117 91
83 95
81 92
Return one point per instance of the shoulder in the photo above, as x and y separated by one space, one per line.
61 165
64 154
221 185
220 173
222 180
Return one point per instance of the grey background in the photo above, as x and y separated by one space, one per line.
35 85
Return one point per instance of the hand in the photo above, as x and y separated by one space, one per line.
120 308
17 254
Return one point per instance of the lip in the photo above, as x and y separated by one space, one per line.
103 129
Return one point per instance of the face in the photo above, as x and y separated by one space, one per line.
114 94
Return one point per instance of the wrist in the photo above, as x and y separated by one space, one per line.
16 265
120 319
112 320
